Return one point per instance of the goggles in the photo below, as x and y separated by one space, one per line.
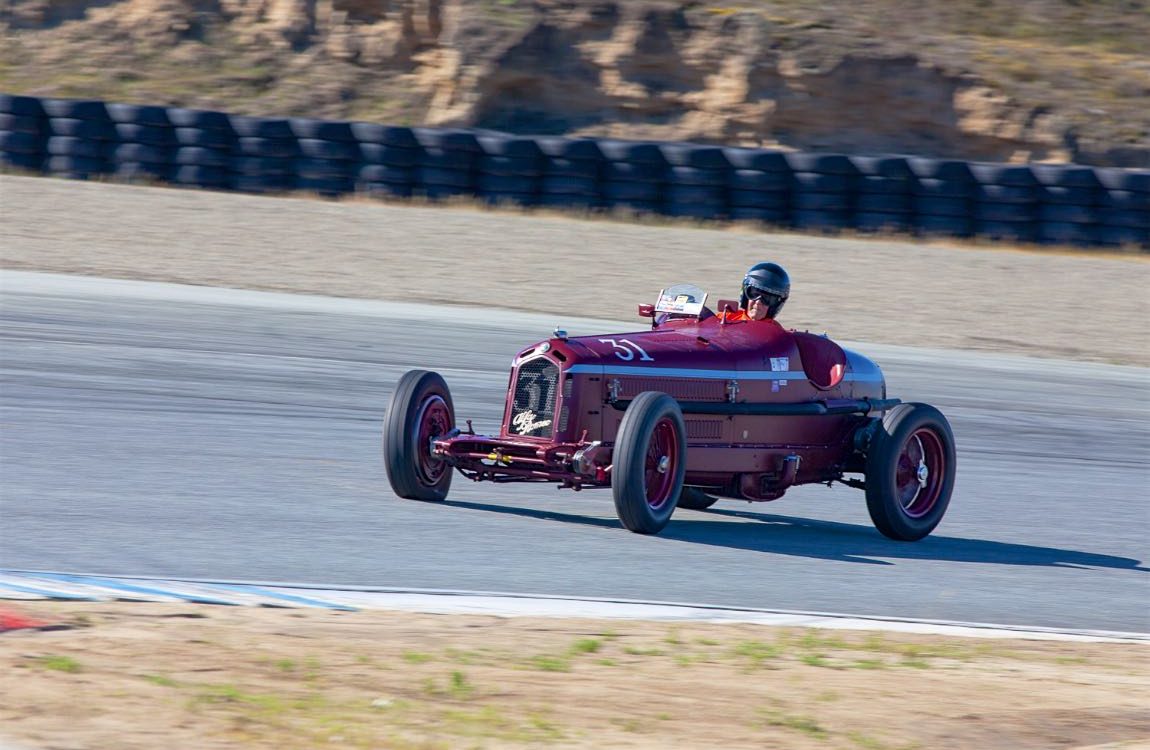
754 292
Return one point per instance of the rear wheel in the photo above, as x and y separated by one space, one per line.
649 462
420 411
910 471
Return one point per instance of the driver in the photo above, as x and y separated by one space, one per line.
765 288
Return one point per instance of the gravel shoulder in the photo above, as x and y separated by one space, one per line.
1069 306
136 676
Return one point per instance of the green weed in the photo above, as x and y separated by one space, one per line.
60 664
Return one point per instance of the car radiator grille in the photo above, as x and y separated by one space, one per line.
533 406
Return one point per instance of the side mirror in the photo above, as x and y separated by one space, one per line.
646 311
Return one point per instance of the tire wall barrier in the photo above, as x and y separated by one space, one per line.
1037 203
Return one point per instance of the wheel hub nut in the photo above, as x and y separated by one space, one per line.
922 474
664 464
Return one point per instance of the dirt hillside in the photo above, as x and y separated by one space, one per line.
1040 80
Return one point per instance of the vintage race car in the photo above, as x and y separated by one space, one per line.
695 408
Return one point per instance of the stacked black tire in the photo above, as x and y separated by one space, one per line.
81 137
1124 208
23 133
447 161
943 191
329 160
1068 204
634 176
510 170
145 143
264 158
759 185
204 144
822 191
1005 203
1050 204
389 157
884 194
696 181
572 171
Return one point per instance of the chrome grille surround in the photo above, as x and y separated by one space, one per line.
534 398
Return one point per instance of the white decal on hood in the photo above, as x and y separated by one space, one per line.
525 422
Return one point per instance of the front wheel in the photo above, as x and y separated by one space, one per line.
420 411
650 461
910 469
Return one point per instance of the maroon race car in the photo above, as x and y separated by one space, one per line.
695 408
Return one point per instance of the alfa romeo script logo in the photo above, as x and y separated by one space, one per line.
525 422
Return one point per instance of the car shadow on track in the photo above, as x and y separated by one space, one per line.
831 540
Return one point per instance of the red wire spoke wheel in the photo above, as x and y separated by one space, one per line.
910 471
649 462
420 411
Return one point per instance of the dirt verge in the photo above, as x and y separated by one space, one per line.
130 675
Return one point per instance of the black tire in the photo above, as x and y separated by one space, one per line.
821 183
27 106
693 498
631 191
202 157
323 130
752 179
576 149
756 159
696 176
883 186
775 200
437 158
510 147
634 152
695 194
23 124
419 404
694 155
71 127
127 152
653 421
259 127
570 186
392 156
387 135
139 114
448 140
202 175
509 166
579 168
457 178
204 138
708 210
315 148
803 161
76 108
149 134
634 171
200 119
268 148
894 514
494 183
886 167
1003 174
22 143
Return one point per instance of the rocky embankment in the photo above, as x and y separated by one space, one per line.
1038 80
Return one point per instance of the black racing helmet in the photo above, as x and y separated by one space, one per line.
768 281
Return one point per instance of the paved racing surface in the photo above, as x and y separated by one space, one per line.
157 430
